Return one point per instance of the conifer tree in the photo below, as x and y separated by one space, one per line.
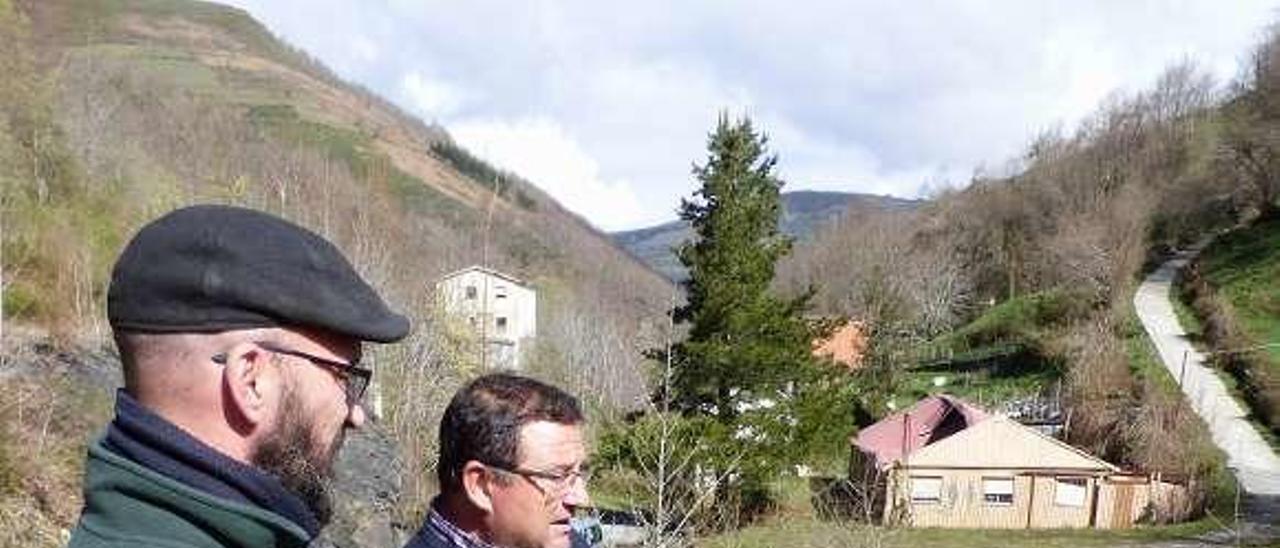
747 351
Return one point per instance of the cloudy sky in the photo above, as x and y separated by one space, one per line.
606 105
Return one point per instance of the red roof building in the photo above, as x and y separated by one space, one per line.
929 420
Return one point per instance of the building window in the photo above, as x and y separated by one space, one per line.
926 489
501 291
471 292
1070 491
501 323
997 491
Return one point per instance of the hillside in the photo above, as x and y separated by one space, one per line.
113 112
803 212
1037 267
160 103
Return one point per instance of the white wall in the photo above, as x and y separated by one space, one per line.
503 312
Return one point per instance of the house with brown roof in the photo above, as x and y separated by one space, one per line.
946 463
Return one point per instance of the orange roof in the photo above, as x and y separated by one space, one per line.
846 345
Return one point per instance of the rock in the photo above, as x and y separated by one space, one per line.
367 486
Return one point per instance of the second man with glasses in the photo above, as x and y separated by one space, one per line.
512 467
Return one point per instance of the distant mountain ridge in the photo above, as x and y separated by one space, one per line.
803 213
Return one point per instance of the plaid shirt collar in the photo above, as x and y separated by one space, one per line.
447 531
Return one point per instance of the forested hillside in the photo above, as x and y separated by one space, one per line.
113 112
1045 256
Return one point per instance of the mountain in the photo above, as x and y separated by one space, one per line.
114 112
127 109
803 213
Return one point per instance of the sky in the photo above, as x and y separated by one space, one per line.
607 105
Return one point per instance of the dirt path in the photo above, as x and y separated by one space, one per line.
1253 462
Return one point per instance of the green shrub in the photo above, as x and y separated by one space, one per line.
1026 319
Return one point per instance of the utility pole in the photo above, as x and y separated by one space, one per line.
484 263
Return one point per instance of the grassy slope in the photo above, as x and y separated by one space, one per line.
1015 329
1244 267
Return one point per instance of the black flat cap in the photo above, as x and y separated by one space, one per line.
217 268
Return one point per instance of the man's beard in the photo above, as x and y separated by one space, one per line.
292 454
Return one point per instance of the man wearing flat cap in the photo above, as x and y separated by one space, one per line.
240 339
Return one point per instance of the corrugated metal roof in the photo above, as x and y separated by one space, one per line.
928 421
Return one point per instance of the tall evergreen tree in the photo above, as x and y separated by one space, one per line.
746 348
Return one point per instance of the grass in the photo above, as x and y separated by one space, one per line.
815 533
1144 361
356 151
45 423
1187 317
1243 267
997 357
1025 319
82 21
1022 375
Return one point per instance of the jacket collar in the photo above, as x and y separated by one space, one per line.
147 439
131 503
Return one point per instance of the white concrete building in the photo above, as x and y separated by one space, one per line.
502 308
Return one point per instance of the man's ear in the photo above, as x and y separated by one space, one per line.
248 385
477 483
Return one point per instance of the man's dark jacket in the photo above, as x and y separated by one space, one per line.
148 483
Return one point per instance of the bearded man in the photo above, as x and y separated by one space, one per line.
240 341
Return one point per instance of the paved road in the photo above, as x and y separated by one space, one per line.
1254 463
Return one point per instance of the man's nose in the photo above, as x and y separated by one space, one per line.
577 494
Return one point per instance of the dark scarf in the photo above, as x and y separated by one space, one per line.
147 439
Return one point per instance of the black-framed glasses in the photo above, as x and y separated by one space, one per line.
560 482
355 378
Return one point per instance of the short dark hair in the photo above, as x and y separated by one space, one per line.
482 422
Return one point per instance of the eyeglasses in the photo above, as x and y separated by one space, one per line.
354 377
560 482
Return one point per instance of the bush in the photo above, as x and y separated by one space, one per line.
1021 320
692 474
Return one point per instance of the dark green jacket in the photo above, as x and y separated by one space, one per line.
127 504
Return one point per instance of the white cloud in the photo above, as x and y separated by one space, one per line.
540 151
860 96
430 99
